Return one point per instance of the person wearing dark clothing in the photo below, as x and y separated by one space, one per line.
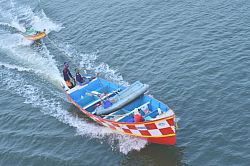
67 75
80 79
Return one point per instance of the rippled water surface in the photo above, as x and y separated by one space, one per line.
195 55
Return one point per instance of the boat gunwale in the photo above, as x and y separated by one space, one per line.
122 123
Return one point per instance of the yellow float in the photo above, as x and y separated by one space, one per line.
37 36
34 35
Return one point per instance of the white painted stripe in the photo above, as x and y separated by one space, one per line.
155 132
162 124
135 132
123 126
173 128
141 127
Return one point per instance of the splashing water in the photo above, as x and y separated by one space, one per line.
88 60
51 106
17 47
44 65
15 67
22 16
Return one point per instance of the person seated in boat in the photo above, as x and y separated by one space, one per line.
138 117
68 76
80 80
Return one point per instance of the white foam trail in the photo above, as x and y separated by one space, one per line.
44 66
13 40
5 24
13 44
17 15
41 73
15 24
33 61
88 60
15 67
110 74
50 106
7 12
43 22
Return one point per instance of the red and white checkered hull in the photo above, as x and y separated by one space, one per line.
160 131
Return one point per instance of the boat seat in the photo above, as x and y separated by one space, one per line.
144 110
109 115
153 114
97 101
115 115
143 107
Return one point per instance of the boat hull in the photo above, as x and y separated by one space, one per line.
160 131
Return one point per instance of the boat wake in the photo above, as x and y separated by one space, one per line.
24 67
17 48
37 97
88 60
22 16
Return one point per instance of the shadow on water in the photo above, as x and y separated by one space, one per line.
155 155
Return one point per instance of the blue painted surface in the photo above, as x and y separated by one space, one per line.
193 54
84 96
